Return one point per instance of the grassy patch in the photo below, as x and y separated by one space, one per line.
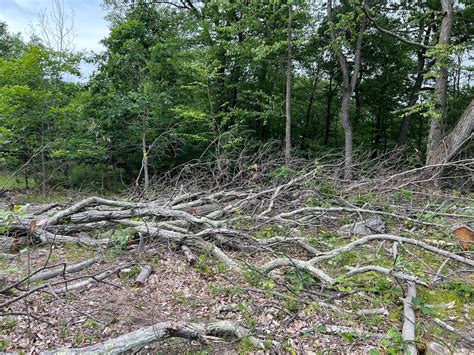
17 182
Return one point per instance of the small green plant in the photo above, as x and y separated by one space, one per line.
203 265
178 297
8 216
246 310
246 346
268 232
282 173
78 339
121 237
393 343
4 343
133 273
253 278
93 324
8 323
419 305
64 333
300 279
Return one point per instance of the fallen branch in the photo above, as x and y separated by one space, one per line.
46 275
409 320
463 335
136 340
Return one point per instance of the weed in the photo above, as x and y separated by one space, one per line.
93 324
78 339
4 343
282 173
301 279
268 232
178 297
393 343
246 346
76 252
8 323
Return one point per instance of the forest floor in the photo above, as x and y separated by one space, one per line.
288 308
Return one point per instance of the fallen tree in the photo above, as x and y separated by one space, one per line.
226 224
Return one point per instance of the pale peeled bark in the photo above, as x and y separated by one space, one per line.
454 141
409 321
136 340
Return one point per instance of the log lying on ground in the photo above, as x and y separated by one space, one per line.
88 280
49 274
136 340
409 320
143 275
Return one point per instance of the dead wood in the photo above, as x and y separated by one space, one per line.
409 320
143 275
190 256
136 340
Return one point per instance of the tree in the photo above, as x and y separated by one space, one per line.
349 83
441 85
288 91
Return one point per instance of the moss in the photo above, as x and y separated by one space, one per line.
438 298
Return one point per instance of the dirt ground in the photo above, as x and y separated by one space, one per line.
174 292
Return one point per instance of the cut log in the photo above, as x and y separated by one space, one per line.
190 256
143 275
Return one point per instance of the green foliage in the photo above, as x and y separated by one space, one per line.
189 82
282 173
301 279
393 343
4 344
7 323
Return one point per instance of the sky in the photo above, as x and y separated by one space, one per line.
89 23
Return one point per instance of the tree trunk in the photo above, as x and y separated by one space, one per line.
453 142
306 133
415 92
349 84
441 86
146 180
328 111
288 93
43 163
348 135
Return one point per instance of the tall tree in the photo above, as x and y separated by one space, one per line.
348 85
288 90
441 86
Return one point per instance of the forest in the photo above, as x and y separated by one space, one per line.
240 176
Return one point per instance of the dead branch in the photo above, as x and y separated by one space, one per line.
138 339
409 320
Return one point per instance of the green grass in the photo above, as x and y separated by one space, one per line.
17 182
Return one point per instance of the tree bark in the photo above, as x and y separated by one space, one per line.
441 86
146 180
349 83
453 142
415 92
328 111
288 92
